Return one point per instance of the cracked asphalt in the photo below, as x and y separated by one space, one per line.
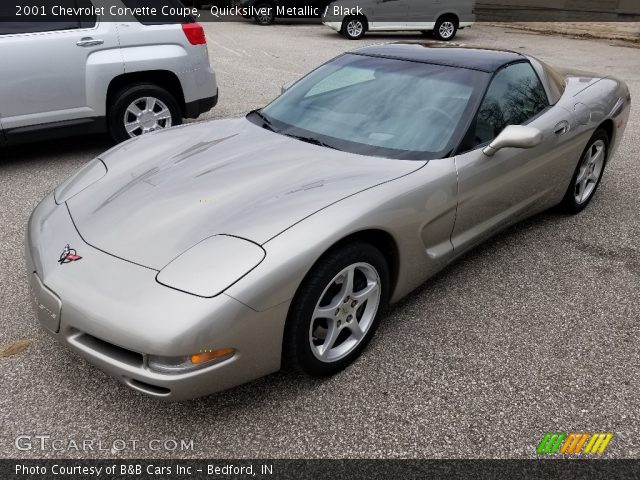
537 330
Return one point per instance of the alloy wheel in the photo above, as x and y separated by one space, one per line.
590 171
355 28
264 15
345 312
145 115
447 29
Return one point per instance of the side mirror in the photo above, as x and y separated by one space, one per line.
514 136
286 86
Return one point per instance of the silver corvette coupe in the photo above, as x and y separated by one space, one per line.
194 259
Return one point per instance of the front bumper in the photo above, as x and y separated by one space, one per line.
114 314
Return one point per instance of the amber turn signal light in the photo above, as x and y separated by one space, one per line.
209 355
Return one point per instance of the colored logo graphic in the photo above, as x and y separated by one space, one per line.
68 255
574 443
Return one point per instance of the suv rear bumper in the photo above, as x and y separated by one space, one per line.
197 107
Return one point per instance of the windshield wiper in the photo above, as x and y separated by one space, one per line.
313 141
266 123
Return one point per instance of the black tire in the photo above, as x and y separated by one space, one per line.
569 203
297 350
448 33
265 14
359 27
126 96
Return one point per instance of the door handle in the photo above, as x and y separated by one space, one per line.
89 42
562 128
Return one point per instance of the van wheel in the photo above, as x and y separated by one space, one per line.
446 28
142 108
354 28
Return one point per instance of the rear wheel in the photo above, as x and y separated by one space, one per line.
353 28
446 28
142 108
586 178
265 14
336 310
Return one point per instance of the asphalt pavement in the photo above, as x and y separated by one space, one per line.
535 331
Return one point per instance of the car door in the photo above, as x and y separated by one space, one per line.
496 191
43 79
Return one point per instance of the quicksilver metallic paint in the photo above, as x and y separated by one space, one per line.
291 199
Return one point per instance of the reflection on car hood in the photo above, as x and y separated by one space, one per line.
165 192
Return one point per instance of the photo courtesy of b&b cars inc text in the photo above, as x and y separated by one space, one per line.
315 239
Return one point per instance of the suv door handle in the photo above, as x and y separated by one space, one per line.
89 42
562 128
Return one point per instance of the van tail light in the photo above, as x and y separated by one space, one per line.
194 33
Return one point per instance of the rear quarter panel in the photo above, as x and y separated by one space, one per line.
595 101
165 47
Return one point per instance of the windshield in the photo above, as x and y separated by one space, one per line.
378 106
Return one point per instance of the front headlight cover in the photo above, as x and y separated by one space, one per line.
83 178
211 266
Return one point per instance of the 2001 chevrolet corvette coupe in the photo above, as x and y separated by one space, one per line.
191 260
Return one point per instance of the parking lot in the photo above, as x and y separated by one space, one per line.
535 331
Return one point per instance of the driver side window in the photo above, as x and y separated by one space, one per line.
515 96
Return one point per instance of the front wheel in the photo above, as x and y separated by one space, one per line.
588 174
445 28
142 108
353 28
336 310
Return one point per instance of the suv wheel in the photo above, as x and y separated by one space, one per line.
265 14
446 28
353 28
142 108
336 310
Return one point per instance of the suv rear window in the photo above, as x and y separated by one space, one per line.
167 11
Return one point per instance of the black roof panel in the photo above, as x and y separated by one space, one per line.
485 60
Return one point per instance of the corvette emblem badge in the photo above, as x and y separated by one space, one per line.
68 255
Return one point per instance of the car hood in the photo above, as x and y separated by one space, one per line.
167 191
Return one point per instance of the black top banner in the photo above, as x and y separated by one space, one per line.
389 11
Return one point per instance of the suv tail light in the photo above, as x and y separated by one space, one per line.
194 33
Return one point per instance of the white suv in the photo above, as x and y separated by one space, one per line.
440 18
89 74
